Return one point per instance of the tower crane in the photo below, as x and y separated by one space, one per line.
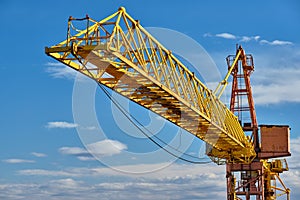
119 53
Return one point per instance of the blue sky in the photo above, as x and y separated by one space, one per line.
42 154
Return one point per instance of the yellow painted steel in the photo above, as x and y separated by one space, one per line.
222 85
274 186
120 54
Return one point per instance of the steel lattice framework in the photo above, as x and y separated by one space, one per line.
120 54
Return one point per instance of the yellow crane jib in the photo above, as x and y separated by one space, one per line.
120 54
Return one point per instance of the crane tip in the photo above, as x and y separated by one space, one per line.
122 9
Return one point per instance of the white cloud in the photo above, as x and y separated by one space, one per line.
245 39
17 161
273 86
293 161
67 183
276 76
59 70
207 35
170 173
98 149
86 158
18 191
43 172
179 181
77 151
69 188
106 147
291 177
36 154
249 38
226 36
256 37
276 93
90 128
61 124
55 64
276 42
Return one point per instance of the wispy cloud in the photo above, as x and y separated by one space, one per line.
55 64
249 38
173 172
59 70
276 77
17 161
67 183
44 172
86 158
256 38
231 36
89 128
61 124
98 149
276 42
207 35
291 178
275 92
294 160
36 154
70 189
182 181
106 147
226 36
76 151
64 124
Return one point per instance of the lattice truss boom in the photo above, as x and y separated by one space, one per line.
120 54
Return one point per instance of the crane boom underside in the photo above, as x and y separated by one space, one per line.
120 54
